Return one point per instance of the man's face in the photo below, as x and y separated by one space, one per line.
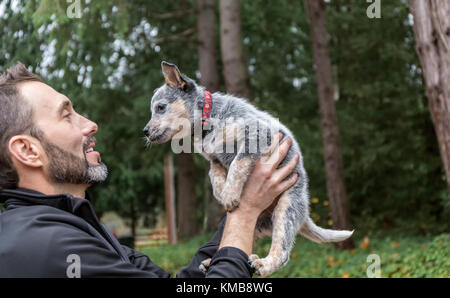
66 137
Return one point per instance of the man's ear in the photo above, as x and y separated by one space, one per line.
25 150
172 76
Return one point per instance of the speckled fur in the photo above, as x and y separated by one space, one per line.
229 170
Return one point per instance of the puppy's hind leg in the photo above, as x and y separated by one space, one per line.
285 227
204 265
218 177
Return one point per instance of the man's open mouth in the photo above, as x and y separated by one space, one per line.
90 148
90 154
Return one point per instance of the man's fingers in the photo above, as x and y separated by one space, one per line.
286 184
287 169
274 147
280 153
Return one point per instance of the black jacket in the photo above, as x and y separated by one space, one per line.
38 233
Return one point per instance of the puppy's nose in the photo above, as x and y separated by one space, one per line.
146 131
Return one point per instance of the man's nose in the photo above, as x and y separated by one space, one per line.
90 127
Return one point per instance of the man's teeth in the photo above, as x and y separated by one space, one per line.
89 150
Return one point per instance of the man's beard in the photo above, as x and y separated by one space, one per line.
66 167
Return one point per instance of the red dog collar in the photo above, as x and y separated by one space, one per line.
206 107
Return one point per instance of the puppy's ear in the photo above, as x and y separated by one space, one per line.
172 76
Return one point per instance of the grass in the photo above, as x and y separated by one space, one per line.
400 256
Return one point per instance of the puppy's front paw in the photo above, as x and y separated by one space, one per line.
217 194
229 200
204 265
230 206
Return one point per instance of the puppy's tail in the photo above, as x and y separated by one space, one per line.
317 234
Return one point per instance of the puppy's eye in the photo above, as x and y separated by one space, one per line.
161 108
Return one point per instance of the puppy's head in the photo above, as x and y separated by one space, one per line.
172 106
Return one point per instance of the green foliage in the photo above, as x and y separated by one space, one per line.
400 256
393 172
430 260
18 39
172 257
392 163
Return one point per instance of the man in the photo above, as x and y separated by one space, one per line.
49 229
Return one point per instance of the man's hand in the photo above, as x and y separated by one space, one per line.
264 184
266 181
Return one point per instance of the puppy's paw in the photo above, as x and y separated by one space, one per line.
204 265
263 267
252 258
229 200
217 194
231 205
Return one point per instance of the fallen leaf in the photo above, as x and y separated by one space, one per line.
293 255
345 275
331 261
395 255
395 244
340 261
365 243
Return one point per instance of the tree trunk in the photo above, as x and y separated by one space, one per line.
207 54
134 219
316 11
187 200
234 63
170 199
432 32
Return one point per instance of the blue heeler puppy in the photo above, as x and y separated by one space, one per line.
233 136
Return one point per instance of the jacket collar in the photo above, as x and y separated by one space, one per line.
28 197
15 198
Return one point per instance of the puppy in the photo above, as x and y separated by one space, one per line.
233 134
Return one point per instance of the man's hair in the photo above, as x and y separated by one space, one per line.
16 117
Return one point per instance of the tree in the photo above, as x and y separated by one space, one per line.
209 77
207 54
187 199
432 33
316 12
234 63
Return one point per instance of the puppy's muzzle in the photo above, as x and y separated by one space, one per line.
155 134
146 131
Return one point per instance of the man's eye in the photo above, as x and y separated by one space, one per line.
160 108
68 116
